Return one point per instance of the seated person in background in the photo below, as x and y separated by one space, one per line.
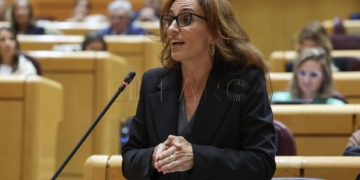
81 10
312 79
120 13
11 61
314 35
151 11
3 10
353 147
22 18
94 41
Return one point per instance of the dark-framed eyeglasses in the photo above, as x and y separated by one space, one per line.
182 20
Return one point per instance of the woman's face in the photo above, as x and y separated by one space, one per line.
22 13
310 76
7 43
307 43
190 42
94 46
81 9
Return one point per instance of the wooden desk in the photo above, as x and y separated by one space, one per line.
139 51
82 28
319 130
278 59
347 83
351 26
31 108
89 79
330 168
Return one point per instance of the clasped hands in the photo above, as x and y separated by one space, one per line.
174 155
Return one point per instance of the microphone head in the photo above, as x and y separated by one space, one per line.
130 77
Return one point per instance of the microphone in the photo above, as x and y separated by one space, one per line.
126 82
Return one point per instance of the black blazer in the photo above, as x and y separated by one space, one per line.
233 138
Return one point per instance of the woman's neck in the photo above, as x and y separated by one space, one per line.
6 60
23 28
308 95
195 73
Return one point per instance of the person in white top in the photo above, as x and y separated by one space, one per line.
11 61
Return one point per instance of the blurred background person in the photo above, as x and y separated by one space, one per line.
22 18
12 62
3 10
312 79
121 14
94 41
81 13
353 147
151 11
314 35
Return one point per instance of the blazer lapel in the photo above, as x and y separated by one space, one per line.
165 103
212 107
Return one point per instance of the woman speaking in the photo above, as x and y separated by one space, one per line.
206 114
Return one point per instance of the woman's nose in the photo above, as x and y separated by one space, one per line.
173 28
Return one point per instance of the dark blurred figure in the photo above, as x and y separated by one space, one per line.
81 13
12 62
22 18
151 11
3 10
94 41
121 14
353 147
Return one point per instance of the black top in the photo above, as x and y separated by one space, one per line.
184 130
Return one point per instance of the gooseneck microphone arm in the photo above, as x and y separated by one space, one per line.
126 82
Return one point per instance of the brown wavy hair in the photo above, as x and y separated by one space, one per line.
233 45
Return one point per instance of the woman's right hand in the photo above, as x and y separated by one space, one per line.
155 156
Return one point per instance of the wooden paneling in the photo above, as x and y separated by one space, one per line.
11 87
62 10
272 24
11 138
319 130
321 145
78 116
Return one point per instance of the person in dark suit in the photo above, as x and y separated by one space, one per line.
121 14
22 18
206 114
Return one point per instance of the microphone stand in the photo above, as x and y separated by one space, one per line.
126 82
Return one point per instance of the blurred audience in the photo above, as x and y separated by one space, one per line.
3 10
151 11
81 13
94 41
314 35
312 79
353 147
22 18
121 14
12 62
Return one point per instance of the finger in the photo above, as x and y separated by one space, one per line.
167 153
166 160
170 167
159 150
175 169
169 140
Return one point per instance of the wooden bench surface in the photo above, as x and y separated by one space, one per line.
331 167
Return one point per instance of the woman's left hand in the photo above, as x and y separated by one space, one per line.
178 158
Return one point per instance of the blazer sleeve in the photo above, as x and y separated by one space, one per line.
256 159
137 152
